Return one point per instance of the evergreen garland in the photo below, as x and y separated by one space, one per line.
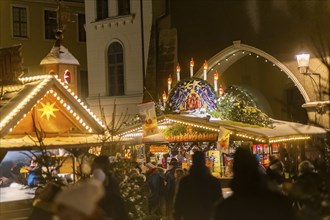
181 129
235 108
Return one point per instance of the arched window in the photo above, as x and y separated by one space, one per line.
124 7
115 69
101 9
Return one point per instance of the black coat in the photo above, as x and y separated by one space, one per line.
198 192
263 204
170 184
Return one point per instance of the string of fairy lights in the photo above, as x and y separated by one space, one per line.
213 69
45 79
137 132
133 132
218 63
22 104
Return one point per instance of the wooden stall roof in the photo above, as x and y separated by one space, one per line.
281 130
46 103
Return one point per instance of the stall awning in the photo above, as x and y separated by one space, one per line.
281 130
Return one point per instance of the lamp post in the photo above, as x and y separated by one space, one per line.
303 66
303 62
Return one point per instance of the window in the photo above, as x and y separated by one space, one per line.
19 22
67 77
116 69
101 9
50 18
123 7
81 28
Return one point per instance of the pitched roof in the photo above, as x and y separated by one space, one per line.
69 109
281 130
59 54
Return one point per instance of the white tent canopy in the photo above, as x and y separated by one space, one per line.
280 130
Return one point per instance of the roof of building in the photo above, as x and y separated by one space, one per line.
59 55
11 64
51 106
279 132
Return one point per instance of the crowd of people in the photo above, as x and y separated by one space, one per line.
175 193
11 172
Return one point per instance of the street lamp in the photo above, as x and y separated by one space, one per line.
303 62
303 66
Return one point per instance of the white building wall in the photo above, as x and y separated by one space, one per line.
127 31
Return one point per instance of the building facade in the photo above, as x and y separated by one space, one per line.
252 45
133 46
119 53
33 25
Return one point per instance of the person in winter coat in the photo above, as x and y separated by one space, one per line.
198 191
252 199
156 185
309 192
170 186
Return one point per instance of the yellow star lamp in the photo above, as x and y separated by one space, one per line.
48 110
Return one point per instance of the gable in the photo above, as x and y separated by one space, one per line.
50 106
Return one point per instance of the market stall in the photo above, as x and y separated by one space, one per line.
45 116
190 121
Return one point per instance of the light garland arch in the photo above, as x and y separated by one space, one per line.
231 54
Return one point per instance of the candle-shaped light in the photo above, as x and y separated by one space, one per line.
164 98
169 83
178 72
191 67
205 66
220 90
216 76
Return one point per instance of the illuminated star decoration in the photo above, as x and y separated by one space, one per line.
48 110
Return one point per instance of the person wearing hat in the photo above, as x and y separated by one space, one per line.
170 186
198 191
80 202
156 185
